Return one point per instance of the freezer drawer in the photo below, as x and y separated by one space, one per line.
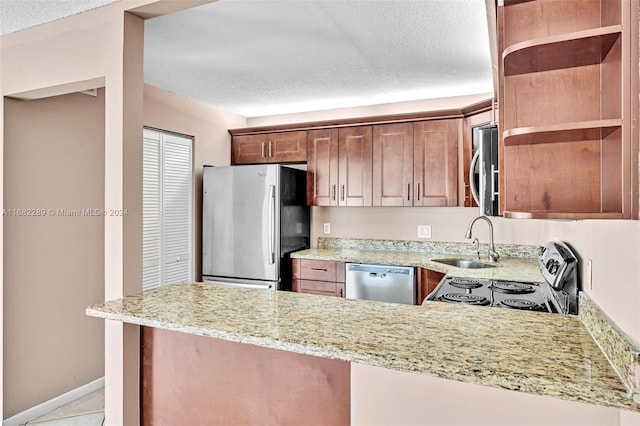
383 283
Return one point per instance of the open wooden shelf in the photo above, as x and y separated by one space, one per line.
560 51
561 215
564 132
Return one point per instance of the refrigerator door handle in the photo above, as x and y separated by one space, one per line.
272 225
474 190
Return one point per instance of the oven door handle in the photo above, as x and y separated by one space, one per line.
472 184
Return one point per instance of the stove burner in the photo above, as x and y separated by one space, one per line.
512 287
521 304
464 283
465 298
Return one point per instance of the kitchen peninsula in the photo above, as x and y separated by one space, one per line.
210 352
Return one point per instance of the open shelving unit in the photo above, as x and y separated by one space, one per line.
565 110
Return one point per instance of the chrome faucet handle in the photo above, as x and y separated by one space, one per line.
477 243
493 255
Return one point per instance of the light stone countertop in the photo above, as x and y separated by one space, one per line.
532 352
507 268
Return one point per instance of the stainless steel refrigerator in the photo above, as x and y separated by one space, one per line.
253 217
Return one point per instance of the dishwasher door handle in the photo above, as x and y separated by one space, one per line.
376 275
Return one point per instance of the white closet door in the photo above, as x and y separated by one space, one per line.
151 210
167 209
176 193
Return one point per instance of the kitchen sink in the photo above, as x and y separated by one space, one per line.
463 263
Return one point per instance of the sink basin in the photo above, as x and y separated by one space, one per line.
462 263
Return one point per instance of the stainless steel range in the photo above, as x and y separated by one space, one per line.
557 294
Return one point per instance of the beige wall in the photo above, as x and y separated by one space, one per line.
212 143
54 265
100 47
383 397
613 246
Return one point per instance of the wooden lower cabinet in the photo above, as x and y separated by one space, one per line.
318 277
428 280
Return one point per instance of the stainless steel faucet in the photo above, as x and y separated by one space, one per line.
477 243
493 254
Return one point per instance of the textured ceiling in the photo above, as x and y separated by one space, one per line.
269 57
264 57
16 15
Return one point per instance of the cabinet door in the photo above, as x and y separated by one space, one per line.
249 149
325 288
354 166
287 147
322 167
435 145
393 165
316 270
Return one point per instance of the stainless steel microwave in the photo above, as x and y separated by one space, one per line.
484 176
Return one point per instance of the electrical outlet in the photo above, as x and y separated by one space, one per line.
326 228
424 231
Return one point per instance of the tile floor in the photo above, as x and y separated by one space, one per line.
85 411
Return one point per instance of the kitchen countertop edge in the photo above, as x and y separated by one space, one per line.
540 384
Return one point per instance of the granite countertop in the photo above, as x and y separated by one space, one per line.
538 353
507 268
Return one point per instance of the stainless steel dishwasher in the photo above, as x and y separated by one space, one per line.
384 283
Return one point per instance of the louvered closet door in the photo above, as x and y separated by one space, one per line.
167 212
176 200
151 212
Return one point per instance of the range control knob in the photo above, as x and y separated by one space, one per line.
554 267
541 251
549 264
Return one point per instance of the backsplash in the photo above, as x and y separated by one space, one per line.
469 249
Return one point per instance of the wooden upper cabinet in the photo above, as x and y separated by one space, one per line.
287 147
568 103
416 164
322 167
280 147
435 152
393 165
339 167
248 149
354 166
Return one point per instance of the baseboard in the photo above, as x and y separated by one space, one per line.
52 404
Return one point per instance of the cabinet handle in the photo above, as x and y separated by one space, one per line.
333 188
318 269
408 192
418 191
341 295
342 192
262 149
269 149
